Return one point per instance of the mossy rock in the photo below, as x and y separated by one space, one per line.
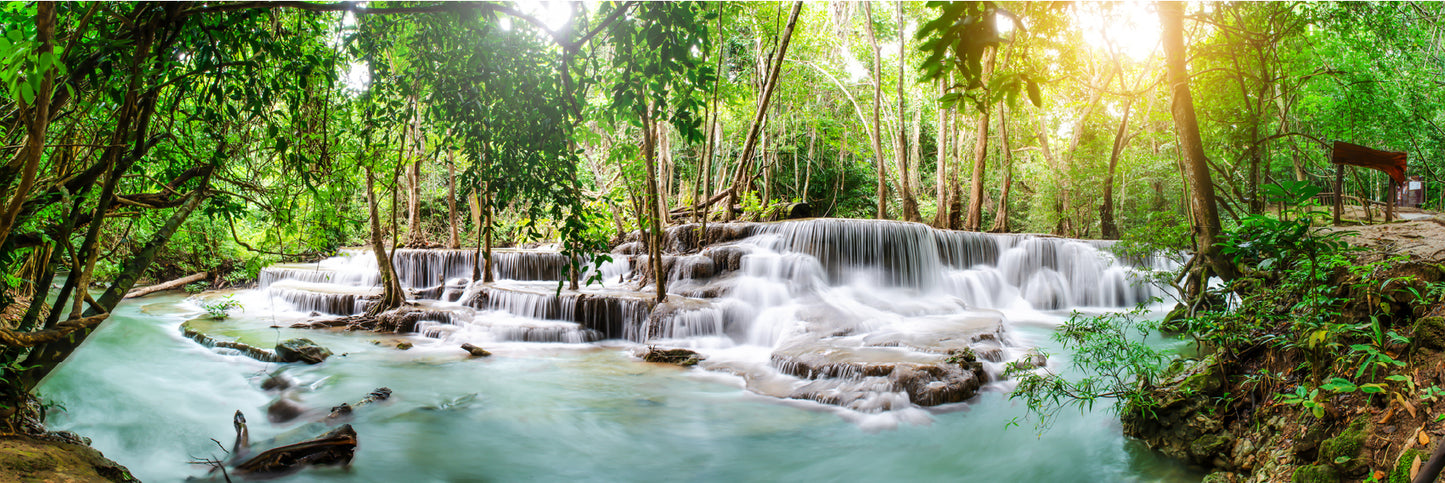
1347 445
1215 477
1316 474
1176 322
1401 474
1208 445
1430 333
24 458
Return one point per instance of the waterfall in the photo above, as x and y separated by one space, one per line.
869 315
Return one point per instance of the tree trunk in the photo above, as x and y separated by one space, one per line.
653 217
750 143
940 170
882 191
980 154
36 124
1107 229
488 275
177 283
1000 219
453 241
391 294
905 186
1196 167
414 233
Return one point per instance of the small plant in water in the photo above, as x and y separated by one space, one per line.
221 309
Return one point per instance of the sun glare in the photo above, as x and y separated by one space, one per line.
553 14
1131 28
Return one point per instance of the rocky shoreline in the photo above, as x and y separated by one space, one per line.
1223 419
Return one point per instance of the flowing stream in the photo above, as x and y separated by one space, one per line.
828 348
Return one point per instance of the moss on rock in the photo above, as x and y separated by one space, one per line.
1208 445
26 458
1430 333
1346 446
1316 474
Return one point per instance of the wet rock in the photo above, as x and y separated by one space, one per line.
927 379
403 345
725 258
681 357
1185 415
301 350
376 395
277 382
338 412
932 385
283 410
475 351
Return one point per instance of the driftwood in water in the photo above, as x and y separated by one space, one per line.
333 448
243 437
336 447
177 283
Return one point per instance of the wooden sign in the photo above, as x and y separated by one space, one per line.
1390 163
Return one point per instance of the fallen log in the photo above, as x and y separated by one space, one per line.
333 448
177 283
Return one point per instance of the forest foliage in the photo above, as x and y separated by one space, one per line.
150 140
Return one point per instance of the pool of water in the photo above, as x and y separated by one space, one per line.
154 400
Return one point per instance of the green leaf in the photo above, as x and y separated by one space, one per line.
1339 385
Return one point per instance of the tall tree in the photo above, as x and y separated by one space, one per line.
1196 167
656 74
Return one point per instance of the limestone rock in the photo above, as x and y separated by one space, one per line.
681 357
475 351
301 350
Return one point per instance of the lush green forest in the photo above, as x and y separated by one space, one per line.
147 141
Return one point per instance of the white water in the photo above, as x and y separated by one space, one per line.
824 295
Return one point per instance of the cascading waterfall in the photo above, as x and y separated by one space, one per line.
872 316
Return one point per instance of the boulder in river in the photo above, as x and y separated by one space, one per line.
301 350
283 410
475 351
681 357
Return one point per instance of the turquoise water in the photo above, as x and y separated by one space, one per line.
153 401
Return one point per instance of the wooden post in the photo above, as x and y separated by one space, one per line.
1390 202
1339 191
